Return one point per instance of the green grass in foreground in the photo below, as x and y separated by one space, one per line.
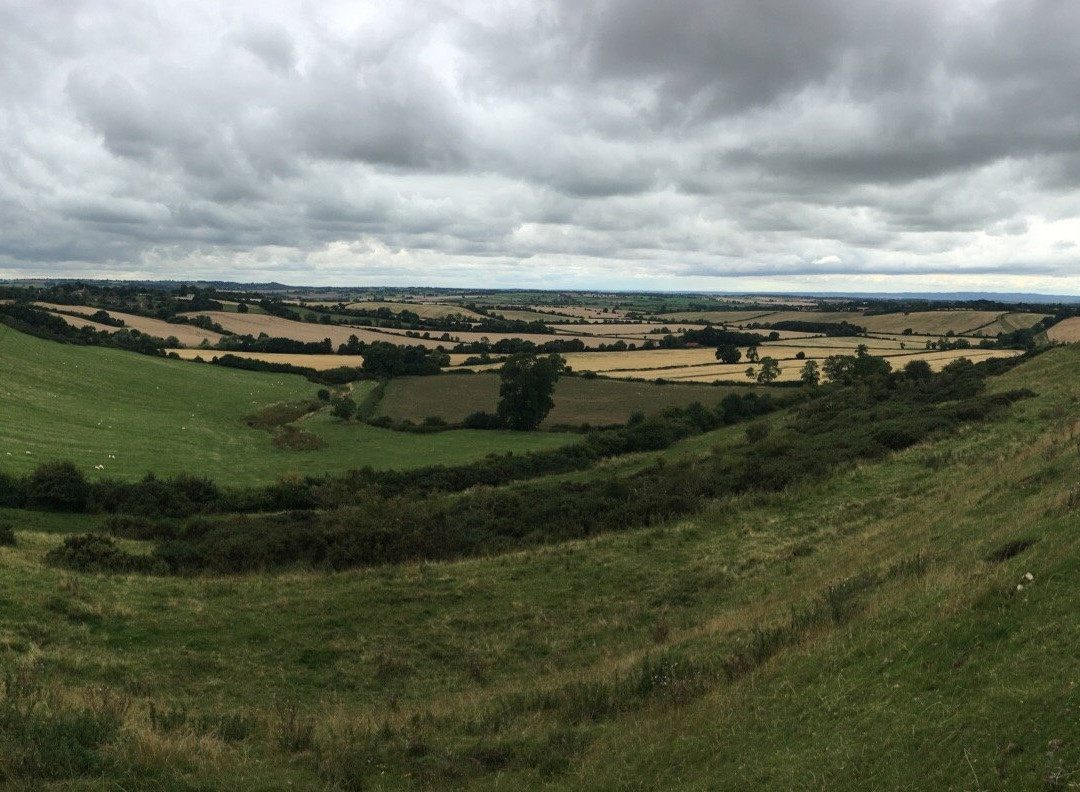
600 664
134 413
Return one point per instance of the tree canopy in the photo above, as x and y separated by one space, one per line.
527 385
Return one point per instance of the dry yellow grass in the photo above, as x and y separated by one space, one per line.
276 327
1066 331
318 362
185 334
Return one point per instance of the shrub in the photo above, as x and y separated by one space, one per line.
7 535
344 408
59 486
97 553
483 420
757 432
12 492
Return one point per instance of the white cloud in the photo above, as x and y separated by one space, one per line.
694 145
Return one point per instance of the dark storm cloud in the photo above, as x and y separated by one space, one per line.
736 144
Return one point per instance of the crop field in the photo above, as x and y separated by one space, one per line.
1066 331
579 312
625 329
532 316
737 318
790 367
935 323
577 401
186 334
930 322
317 362
896 624
537 338
700 365
133 414
1008 322
423 310
277 327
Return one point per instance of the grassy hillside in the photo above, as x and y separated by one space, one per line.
866 632
133 413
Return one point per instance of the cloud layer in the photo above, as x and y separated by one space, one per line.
742 144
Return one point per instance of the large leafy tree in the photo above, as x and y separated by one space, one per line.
527 385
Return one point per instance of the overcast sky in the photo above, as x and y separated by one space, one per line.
686 144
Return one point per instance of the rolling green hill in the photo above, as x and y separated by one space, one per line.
133 413
876 630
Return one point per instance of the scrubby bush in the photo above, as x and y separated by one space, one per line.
12 491
98 553
58 486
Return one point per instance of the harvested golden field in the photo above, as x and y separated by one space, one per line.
716 317
625 329
533 316
840 344
318 362
929 322
185 334
920 322
579 312
852 317
1066 331
536 338
1007 323
423 310
75 321
790 368
276 327
639 359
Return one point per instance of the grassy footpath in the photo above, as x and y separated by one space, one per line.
134 413
851 635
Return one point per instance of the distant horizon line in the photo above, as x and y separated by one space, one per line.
277 285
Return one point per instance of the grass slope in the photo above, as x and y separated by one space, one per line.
594 665
134 413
